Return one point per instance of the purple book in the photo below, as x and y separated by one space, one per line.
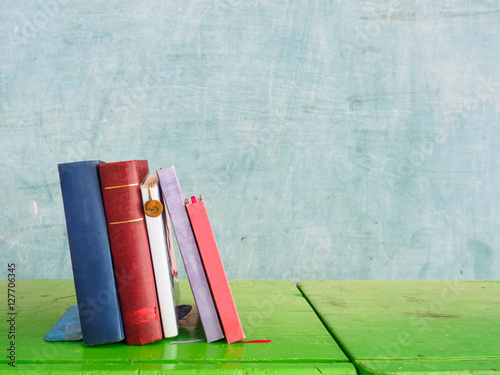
174 200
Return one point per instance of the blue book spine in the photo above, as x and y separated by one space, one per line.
90 251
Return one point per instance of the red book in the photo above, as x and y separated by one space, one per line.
128 238
215 270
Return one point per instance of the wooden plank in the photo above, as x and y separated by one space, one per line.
299 340
412 326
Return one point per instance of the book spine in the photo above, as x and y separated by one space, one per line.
215 271
174 200
130 250
161 263
97 297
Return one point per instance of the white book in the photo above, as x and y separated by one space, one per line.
162 254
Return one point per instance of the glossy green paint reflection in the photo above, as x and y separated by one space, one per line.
412 326
269 310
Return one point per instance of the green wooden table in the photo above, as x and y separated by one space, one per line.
396 327
273 310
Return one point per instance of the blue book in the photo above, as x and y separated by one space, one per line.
95 286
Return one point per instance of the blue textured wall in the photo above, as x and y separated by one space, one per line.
331 140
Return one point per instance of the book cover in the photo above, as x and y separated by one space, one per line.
215 270
120 184
157 223
95 286
174 200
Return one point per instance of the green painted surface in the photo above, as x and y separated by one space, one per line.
412 326
183 368
272 310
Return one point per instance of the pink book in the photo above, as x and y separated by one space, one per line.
215 270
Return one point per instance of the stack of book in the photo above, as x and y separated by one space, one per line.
119 220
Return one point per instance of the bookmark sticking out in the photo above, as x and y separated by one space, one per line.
193 200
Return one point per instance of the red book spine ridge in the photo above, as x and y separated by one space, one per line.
120 183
